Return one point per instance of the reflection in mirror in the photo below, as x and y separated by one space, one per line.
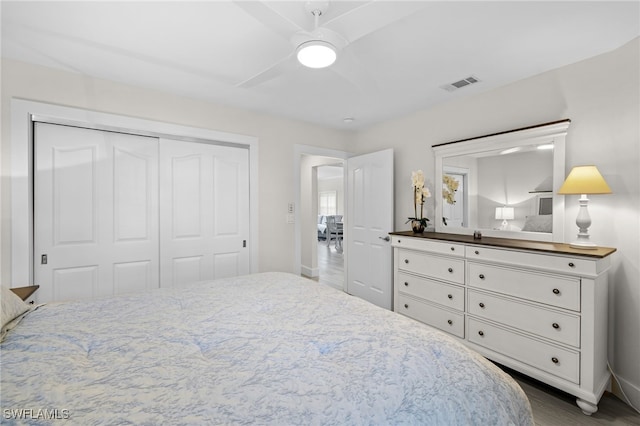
503 184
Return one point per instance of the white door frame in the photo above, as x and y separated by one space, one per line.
298 152
24 113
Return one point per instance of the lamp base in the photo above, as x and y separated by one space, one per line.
584 245
583 221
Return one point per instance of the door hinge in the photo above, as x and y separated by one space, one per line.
244 243
43 259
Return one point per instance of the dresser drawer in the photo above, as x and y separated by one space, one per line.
452 249
441 318
558 326
434 266
449 295
544 356
556 263
554 290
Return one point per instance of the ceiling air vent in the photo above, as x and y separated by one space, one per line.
460 84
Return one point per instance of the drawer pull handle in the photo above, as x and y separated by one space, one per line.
406 284
481 276
406 261
555 360
450 270
406 306
449 322
481 333
556 291
450 296
476 252
481 305
572 265
556 325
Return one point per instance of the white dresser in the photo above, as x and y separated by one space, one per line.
536 307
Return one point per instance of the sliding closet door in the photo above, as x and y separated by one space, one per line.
204 212
96 212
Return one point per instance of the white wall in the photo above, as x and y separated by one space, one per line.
601 96
276 138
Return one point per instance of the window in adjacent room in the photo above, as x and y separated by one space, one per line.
327 203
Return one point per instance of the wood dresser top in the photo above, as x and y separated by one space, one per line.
510 243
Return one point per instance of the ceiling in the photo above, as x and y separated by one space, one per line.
397 58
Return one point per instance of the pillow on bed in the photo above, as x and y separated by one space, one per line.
538 223
12 308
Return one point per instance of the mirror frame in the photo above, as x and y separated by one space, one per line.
543 133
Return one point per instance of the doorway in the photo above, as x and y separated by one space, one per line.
305 206
330 213
368 219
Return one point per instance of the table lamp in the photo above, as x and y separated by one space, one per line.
504 213
581 181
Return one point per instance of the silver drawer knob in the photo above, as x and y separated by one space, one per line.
556 291
572 265
555 360
481 276
449 322
450 270
555 325
450 296
481 305
477 252
406 261
453 249
406 306
481 333
406 284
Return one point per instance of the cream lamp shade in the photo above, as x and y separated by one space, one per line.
504 213
584 180
581 181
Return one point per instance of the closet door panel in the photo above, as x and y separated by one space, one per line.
204 205
135 251
96 206
73 180
134 191
134 276
187 195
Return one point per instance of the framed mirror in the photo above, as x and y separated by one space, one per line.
503 184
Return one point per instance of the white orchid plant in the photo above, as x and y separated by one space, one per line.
420 195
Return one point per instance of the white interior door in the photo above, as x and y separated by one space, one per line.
368 222
96 212
455 213
204 219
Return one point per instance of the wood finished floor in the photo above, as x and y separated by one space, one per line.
330 265
551 407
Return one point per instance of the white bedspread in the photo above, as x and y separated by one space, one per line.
270 348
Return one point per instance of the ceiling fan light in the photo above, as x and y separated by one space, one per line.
316 54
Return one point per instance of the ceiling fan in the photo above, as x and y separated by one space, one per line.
331 39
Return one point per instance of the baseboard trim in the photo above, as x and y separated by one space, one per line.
309 272
631 390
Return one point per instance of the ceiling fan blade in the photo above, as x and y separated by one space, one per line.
351 69
269 18
372 16
285 65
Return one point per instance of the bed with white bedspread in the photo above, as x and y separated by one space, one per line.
269 348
